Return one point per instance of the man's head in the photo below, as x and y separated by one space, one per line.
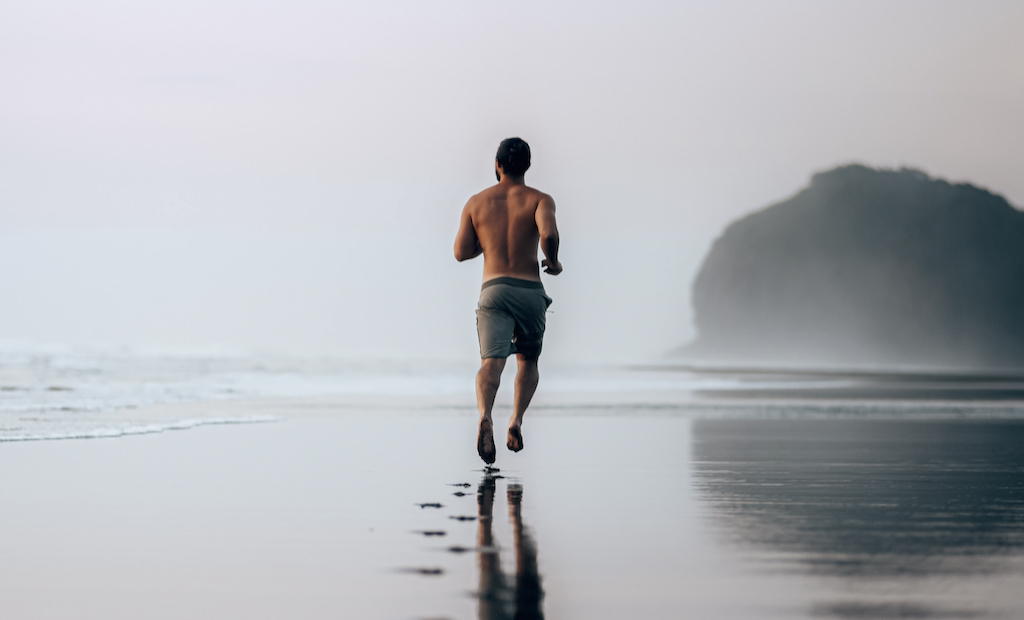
513 157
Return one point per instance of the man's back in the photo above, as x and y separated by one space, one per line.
505 220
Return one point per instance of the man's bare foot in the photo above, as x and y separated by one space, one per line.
485 441
515 438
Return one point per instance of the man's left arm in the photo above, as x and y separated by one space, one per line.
467 244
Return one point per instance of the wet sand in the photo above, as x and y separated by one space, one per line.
333 512
796 384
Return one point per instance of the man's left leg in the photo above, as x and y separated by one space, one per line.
487 381
527 378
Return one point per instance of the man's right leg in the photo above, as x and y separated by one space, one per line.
487 381
526 384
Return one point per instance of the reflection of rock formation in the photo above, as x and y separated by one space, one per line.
868 267
764 384
500 596
867 498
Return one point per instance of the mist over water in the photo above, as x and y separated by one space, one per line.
354 296
289 177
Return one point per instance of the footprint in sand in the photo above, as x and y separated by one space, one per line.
426 571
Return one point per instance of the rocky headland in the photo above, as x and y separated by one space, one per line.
867 267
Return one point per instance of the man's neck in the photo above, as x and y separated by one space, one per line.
509 180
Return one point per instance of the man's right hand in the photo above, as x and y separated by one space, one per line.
553 269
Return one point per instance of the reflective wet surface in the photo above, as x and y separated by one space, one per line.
775 518
843 512
900 519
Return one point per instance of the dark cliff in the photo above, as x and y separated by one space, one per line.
868 267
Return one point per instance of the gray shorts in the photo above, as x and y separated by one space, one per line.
510 317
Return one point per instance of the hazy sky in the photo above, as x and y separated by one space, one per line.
374 121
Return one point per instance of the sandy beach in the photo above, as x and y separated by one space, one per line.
336 510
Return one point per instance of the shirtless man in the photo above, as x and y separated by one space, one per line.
506 223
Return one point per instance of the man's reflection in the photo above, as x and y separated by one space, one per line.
500 596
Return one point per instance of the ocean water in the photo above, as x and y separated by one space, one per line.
66 392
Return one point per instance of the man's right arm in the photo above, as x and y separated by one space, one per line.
467 244
548 230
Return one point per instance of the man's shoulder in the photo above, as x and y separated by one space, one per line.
533 194
483 196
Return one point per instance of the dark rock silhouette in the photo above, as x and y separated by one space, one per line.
868 267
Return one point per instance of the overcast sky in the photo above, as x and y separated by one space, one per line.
646 118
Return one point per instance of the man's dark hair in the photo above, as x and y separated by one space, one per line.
514 156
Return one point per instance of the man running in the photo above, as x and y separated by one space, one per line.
505 223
